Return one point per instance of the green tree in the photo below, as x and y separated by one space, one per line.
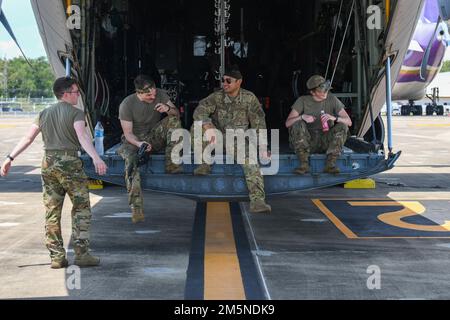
446 66
23 81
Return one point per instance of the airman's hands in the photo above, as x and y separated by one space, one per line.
162 108
308 118
327 117
5 167
100 166
149 147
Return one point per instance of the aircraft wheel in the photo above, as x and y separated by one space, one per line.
417 110
405 110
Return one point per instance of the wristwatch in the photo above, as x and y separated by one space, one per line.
9 157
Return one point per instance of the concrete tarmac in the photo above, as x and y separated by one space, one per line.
332 243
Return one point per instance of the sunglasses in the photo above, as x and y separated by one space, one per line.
324 87
228 80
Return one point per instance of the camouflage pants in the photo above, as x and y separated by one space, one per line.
160 138
315 141
63 174
252 172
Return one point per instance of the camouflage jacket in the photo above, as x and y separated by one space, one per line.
243 113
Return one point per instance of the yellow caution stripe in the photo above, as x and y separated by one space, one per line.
95 184
360 184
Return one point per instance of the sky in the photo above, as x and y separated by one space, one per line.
21 19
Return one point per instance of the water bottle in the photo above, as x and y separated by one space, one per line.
99 136
325 127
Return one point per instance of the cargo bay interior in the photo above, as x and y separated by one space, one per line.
277 46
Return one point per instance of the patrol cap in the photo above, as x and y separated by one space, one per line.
317 81
233 72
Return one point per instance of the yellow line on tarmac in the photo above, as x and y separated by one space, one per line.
7 126
375 204
348 233
222 278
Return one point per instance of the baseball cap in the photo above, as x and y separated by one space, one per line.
233 72
317 81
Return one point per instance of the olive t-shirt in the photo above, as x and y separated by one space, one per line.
307 105
56 124
142 114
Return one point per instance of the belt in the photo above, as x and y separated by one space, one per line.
61 153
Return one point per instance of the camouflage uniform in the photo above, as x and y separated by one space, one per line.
315 141
159 138
243 112
62 172
306 138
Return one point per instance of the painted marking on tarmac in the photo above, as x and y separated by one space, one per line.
7 126
34 171
8 224
111 200
72 251
431 125
147 231
9 203
221 264
10 216
384 218
223 279
119 215
263 253
418 196
443 245
159 270
334 219
410 209
314 220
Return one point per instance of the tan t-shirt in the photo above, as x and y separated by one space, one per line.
142 114
307 105
56 125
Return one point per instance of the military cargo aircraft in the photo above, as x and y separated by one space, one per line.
184 45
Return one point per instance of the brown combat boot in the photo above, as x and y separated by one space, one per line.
84 259
173 168
202 170
303 158
330 166
259 206
60 263
137 215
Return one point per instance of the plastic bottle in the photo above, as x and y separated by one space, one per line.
325 127
99 136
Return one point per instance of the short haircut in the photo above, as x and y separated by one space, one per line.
62 85
142 81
